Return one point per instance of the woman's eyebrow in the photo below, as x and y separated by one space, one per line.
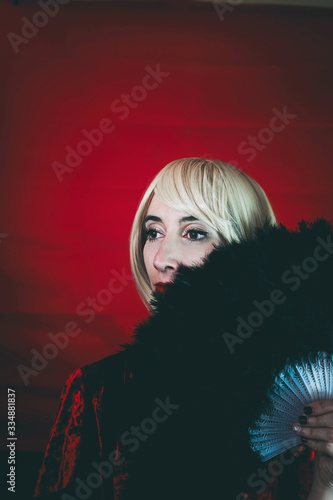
188 218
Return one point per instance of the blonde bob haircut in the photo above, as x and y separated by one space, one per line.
217 193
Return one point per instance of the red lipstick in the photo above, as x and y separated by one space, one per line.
162 286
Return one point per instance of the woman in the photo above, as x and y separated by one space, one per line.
168 415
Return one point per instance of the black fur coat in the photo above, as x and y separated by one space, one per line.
175 404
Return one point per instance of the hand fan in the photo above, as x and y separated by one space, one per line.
293 388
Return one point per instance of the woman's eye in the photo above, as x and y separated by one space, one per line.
151 234
193 233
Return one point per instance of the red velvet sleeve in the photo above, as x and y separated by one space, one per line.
73 443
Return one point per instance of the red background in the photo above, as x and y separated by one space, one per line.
61 240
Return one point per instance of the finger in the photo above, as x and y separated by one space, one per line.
319 407
314 433
325 420
321 446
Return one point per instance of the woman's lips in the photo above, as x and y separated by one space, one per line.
161 287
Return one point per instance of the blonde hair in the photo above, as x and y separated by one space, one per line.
217 193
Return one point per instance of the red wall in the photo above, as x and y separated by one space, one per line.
62 242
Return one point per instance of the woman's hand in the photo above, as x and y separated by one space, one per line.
316 430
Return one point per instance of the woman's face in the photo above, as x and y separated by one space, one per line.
173 238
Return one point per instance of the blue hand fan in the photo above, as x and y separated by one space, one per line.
293 388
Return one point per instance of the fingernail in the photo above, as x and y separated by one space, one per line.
304 440
297 428
303 420
307 410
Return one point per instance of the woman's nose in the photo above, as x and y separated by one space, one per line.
166 256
